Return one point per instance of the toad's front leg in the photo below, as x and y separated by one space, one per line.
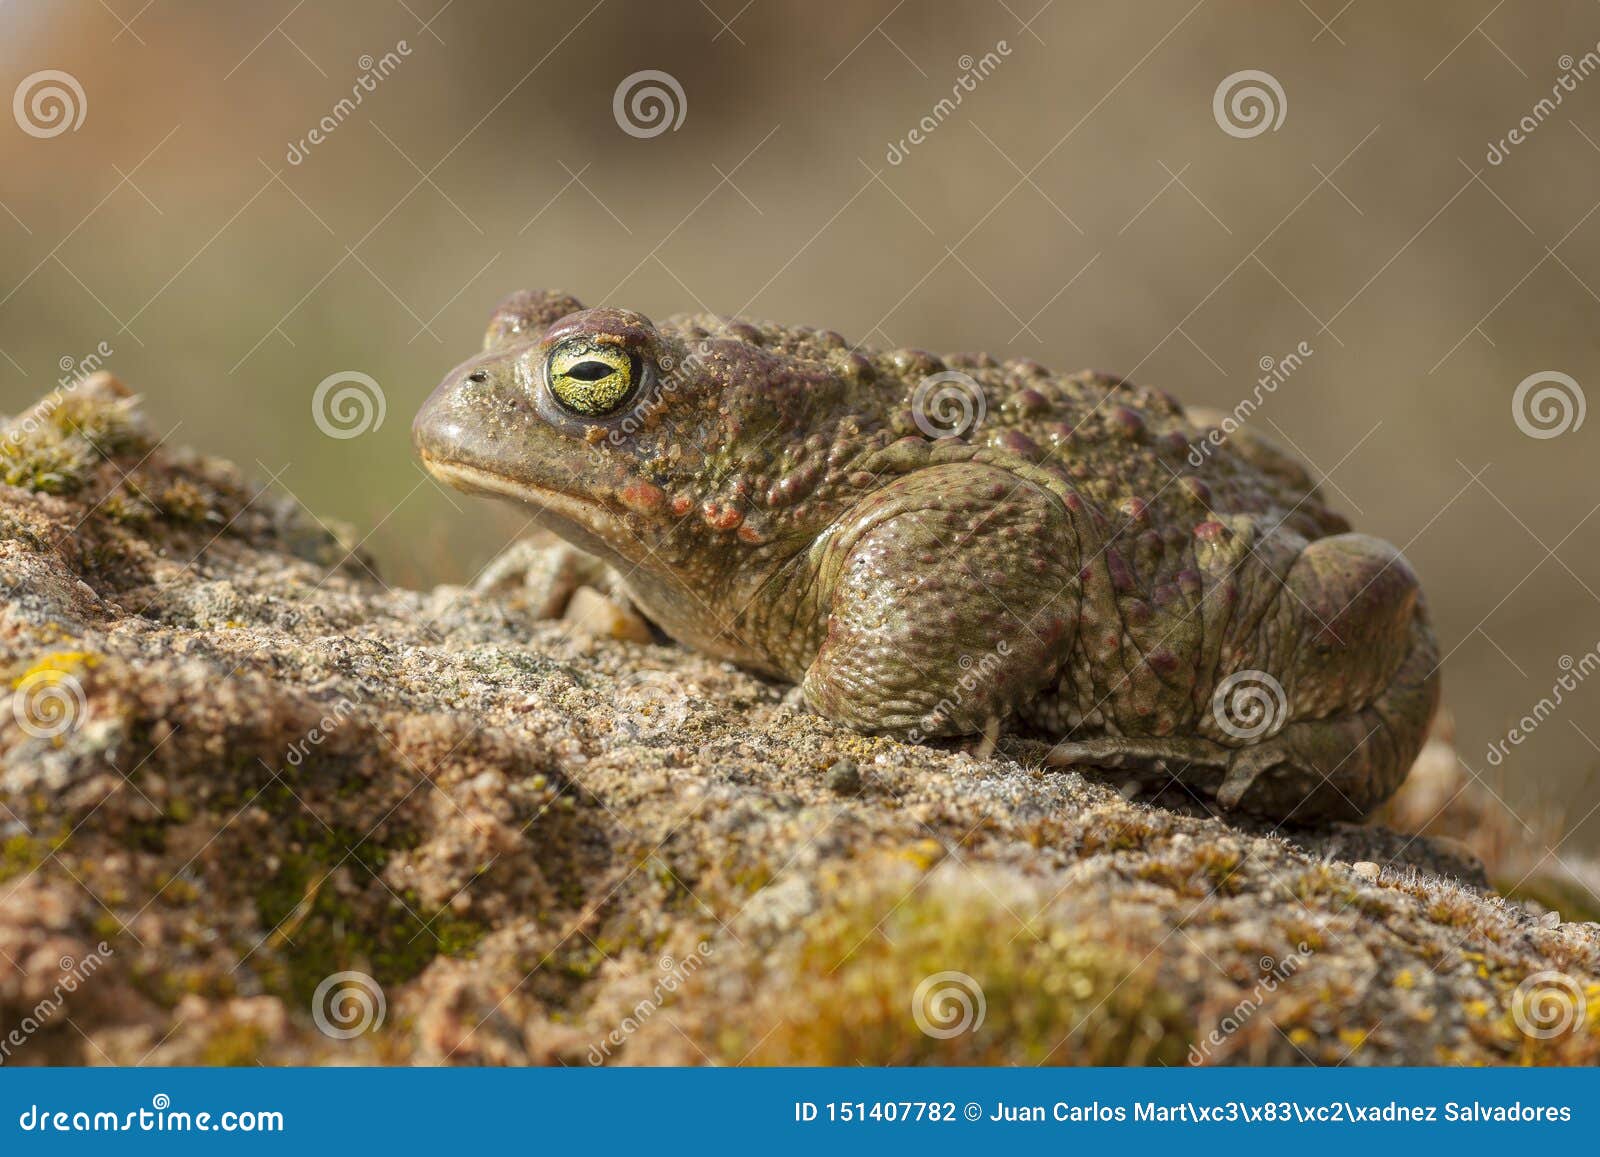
952 595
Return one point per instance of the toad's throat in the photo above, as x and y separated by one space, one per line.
582 521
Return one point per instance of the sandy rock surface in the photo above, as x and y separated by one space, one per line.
255 805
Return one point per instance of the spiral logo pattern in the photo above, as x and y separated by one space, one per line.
1548 404
1548 1004
364 61
49 103
652 705
348 404
948 405
1250 705
348 1004
648 103
1248 103
947 1004
48 704
160 1102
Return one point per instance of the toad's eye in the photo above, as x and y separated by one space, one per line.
590 379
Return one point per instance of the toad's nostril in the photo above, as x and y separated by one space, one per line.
477 377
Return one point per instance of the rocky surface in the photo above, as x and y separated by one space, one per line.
251 798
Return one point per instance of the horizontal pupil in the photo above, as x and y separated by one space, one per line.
591 371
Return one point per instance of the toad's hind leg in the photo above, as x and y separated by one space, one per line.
1359 676
1343 766
1326 705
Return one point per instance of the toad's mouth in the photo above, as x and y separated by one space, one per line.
582 520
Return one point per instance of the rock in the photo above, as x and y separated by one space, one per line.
844 778
593 613
257 807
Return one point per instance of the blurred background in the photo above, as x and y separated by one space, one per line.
1086 202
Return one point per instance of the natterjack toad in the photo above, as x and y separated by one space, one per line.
929 546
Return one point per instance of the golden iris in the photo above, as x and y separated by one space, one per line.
589 378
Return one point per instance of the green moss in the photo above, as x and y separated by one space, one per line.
182 501
21 854
233 1043
54 447
322 924
126 509
1050 994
